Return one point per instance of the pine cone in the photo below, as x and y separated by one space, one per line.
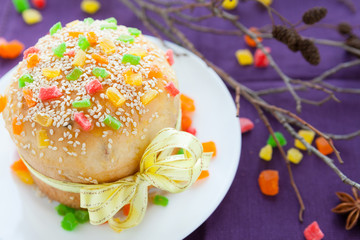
313 15
344 28
287 36
309 51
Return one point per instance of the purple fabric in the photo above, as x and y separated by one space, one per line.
245 213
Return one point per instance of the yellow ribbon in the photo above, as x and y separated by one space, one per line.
158 167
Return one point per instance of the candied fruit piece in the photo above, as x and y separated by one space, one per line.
111 20
43 140
69 222
75 34
24 176
26 78
246 125
39 4
74 74
99 59
49 93
107 45
81 119
249 41
171 89
134 31
28 95
115 96
244 57
90 6
89 20
51 72
169 55
126 209
11 50
266 152
187 103
203 174
59 50
308 136
191 130
294 155
70 53
209 147
21 5
148 96
55 28
185 122
323 146
126 38
132 59
3 103
29 51
82 216
313 232
33 60
140 52
83 43
17 126
261 59
92 38
93 87
269 182
108 26
62 209
230 4
155 72
79 59
85 103
19 166
100 72
112 122
161 200
43 120
279 137
132 78
31 16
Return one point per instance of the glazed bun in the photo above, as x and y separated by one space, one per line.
86 113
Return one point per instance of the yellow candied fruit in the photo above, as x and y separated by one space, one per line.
115 96
266 2
132 78
51 72
266 153
73 23
43 140
90 6
294 155
230 4
244 57
107 45
308 136
25 177
148 96
43 120
79 59
138 52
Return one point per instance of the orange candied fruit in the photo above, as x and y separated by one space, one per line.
3 102
187 103
249 41
33 60
126 209
155 72
75 34
99 59
11 50
17 129
269 182
185 122
323 146
92 38
209 147
203 174
28 95
22 172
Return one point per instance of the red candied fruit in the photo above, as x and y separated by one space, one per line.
30 50
170 57
49 93
93 86
191 130
246 125
260 58
84 123
313 232
171 89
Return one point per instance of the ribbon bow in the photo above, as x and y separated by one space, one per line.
158 167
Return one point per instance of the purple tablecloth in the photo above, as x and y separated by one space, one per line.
245 213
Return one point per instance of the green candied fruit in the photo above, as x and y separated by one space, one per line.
74 74
134 31
59 50
112 122
161 200
82 216
111 20
279 137
126 38
26 78
21 5
108 26
181 151
82 103
62 209
55 28
132 59
83 43
100 72
89 20
69 222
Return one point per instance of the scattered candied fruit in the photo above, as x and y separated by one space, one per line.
271 141
75 34
43 140
269 182
132 78
31 16
92 38
22 172
323 146
155 72
230 4
28 95
126 209
19 166
294 155
209 147
11 50
90 6
161 200
261 59
313 232
187 103
3 102
203 174
33 60
17 126
244 57
185 122
266 152
308 136
99 59
246 125
108 46
249 41
148 96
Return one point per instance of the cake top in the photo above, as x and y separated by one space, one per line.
93 72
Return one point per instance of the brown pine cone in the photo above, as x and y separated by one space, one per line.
314 15
309 51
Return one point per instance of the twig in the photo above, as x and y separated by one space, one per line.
344 136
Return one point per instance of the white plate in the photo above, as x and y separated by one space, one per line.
26 216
